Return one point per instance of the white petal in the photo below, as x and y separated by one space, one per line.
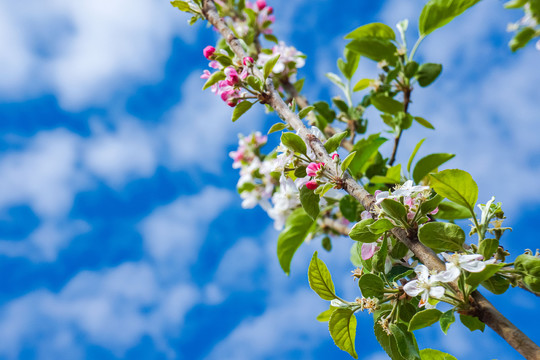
474 266
450 274
338 303
412 289
424 299
423 272
467 258
436 292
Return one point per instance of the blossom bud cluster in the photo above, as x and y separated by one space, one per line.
289 60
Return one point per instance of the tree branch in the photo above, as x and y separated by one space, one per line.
482 308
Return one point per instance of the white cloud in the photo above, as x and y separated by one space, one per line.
111 308
87 52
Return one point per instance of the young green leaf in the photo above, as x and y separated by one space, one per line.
380 226
416 148
496 284
452 211
457 186
336 80
522 38
429 163
294 142
360 232
475 279
395 210
302 114
379 259
371 286
269 66
289 240
387 104
240 109
310 202
424 122
442 236
424 319
365 150
374 48
299 85
375 30
342 326
437 13
427 73
472 323
271 38
320 279
349 67
300 171
214 78
431 354
361 84
447 319
334 142
326 243
347 161
325 315
431 204
277 127
181 5
488 247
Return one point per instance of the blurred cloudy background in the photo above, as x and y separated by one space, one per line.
121 235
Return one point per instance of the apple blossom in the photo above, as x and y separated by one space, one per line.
209 51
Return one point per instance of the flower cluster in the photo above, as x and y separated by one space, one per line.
290 59
413 196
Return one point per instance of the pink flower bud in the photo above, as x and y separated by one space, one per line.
312 185
248 60
313 169
435 211
270 10
232 76
209 51
206 74
335 157
261 4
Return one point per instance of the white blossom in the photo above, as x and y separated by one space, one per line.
426 286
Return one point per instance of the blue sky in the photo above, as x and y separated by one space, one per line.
121 235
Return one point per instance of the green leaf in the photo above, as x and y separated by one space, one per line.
398 272
431 204
365 150
437 13
214 78
427 73
387 342
223 59
349 68
334 142
300 172
299 85
335 79
475 279
302 114
380 226
472 323
457 186
424 122
386 104
310 202
405 342
429 163
324 109
277 127
342 326
496 284
522 38
360 232
447 319
347 161
271 38
452 211
424 319
341 105
294 142
240 109
321 190
431 354
269 66
416 148
348 206
255 83
361 84
410 69
371 286
374 49
488 247
375 30
394 173
442 236
181 5
325 315
379 259
289 240
320 279
326 243
395 210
